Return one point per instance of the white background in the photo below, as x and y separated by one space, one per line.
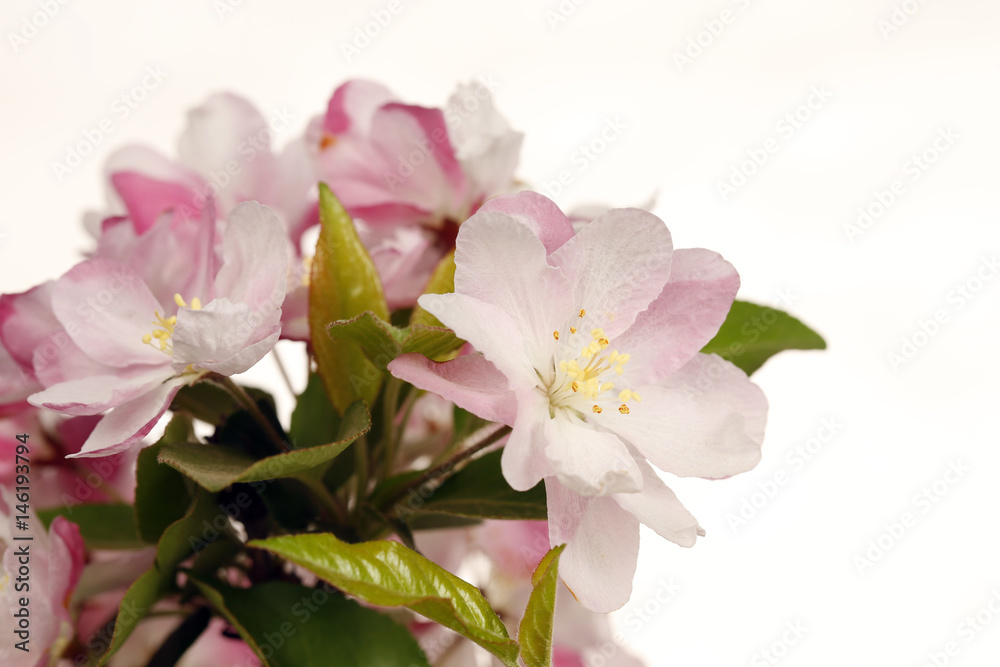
687 126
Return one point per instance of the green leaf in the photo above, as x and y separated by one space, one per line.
135 605
390 575
288 625
535 631
343 284
752 334
161 493
102 526
195 530
314 420
215 467
433 342
442 282
381 342
480 490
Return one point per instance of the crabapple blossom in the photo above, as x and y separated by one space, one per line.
588 347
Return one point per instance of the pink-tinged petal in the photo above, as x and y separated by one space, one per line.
95 394
488 329
514 547
224 336
502 262
591 463
62 360
15 384
147 198
352 106
486 147
255 257
227 141
602 546
687 314
617 264
658 507
67 556
295 314
27 321
405 258
469 381
523 461
143 160
706 420
130 422
536 212
566 657
418 165
107 309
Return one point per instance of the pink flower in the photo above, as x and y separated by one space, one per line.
225 157
426 170
55 560
135 346
589 348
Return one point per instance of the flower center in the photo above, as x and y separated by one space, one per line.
164 331
583 381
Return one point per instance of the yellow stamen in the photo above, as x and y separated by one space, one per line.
582 312
596 333
603 342
597 409
555 334
179 300
575 386
623 409
147 339
196 304
624 395
637 397
572 330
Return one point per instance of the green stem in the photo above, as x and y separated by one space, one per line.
244 399
361 474
447 467
390 408
330 502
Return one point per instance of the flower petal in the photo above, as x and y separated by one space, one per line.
602 546
523 461
107 309
147 198
255 256
469 381
706 420
590 462
617 264
94 394
488 329
130 422
658 507
536 212
353 104
687 314
502 262
224 336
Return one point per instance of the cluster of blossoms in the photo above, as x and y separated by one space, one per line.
573 344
